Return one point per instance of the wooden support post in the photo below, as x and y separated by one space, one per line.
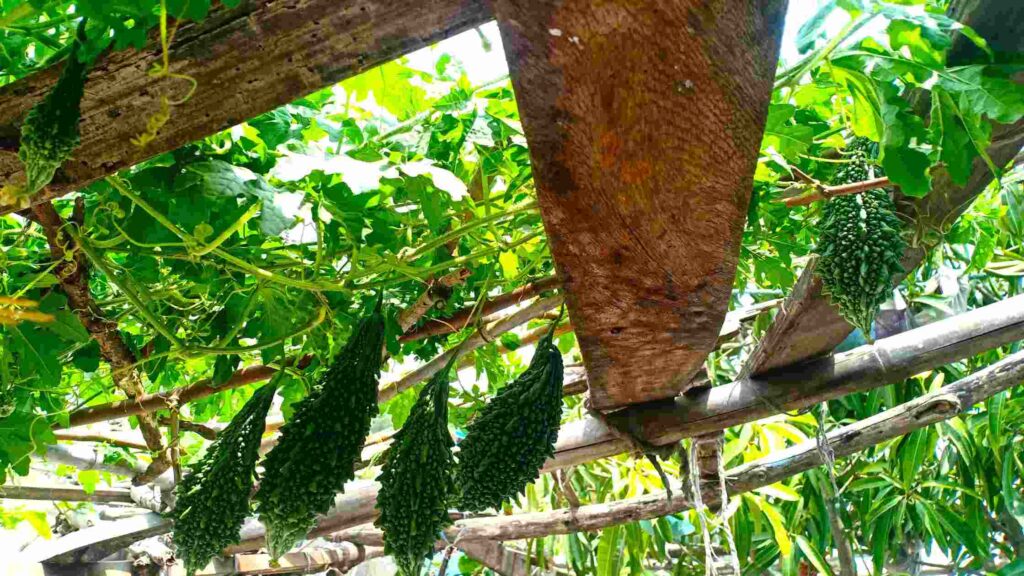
644 119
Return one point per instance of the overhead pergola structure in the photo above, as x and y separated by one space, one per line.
644 122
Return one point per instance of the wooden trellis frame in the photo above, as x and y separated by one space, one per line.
369 32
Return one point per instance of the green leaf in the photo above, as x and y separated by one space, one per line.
609 552
787 138
814 556
814 27
38 522
953 145
216 177
509 264
88 479
964 533
986 90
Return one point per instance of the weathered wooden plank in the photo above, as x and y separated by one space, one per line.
807 325
644 120
246 61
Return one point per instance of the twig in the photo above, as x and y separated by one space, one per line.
459 320
122 442
73 274
818 191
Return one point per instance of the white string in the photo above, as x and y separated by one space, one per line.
710 560
734 559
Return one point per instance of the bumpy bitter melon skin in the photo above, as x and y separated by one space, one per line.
508 442
49 133
417 480
859 245
212 501
320 445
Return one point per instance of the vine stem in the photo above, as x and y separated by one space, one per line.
792 75
821 192
468 227
242 265
99 260
229 231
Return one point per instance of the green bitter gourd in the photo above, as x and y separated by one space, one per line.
417 480
212 501
859 244
49 133
321 444
508 442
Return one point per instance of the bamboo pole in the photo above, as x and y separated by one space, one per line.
65 494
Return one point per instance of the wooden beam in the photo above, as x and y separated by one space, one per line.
246 61
926 410
644 119
888 360
808 325
65 494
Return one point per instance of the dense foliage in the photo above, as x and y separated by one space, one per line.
212 500
266 243
320 445
417 480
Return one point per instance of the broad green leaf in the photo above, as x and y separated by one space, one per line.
88 479
986 91
609 552
953 145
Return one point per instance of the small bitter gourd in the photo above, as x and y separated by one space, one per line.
49 133
509 440
320 446
417 480
212 500
859 244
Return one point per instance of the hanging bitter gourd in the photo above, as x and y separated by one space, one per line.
320 445
859 244
212 500
508 442
49 133
417 480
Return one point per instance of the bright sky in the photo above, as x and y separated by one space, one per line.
482 66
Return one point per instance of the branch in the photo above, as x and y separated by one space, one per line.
819 191
65 494
73 274
88 437
458 320
478 339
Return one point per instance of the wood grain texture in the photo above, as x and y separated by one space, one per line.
247 61
644 119
808 325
